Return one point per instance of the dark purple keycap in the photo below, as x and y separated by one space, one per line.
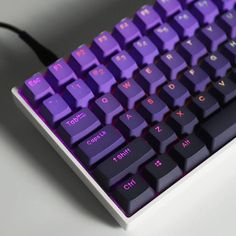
36 88
54 109
150 78
125 161
224 5
189 152
100 80
144 51
78 94
185 3
224 90
195 79
153 109
228 23
107 107
78 126
216 65
59 74
192 50
229 51
161 136
164 37
167 8
146 18
126 32
171 64
128 93
122 65
132 194
205 11
174 94
203 105
212 36
131 124
182 121
97 146
104 46
82 60
185 24
162 172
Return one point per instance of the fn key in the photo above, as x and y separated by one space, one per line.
132 194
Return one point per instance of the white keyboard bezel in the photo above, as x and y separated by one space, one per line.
147 212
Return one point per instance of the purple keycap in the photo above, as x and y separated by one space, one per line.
131 124
229 51
212 36
185 24
171 64
167 8
126 32
107 108
164 37
36 88
205 11
128 93
82 60
122 65
144 51
104 46
78 126
216 65
97 146
225 4
174 94
59 74
146 18
54 109
195 79
192 50
153 109
150 78
227 22
100 80
78 94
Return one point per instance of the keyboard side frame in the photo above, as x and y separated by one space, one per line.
147 212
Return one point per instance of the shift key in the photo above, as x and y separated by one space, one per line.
98 145
123 162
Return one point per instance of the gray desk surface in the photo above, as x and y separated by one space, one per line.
39 195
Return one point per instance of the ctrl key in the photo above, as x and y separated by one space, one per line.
132 194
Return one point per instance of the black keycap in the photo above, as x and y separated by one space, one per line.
131 124
229 51
150 78
125 161
132 194
212 36
189 152
224 90
98 145
220 128
162 172
192 50
161 136
195 79
216 65
171 64
153 109
203 105
183 121
128 93
107 108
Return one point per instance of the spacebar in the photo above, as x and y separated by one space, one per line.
220 128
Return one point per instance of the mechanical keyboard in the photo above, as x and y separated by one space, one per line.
141 108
